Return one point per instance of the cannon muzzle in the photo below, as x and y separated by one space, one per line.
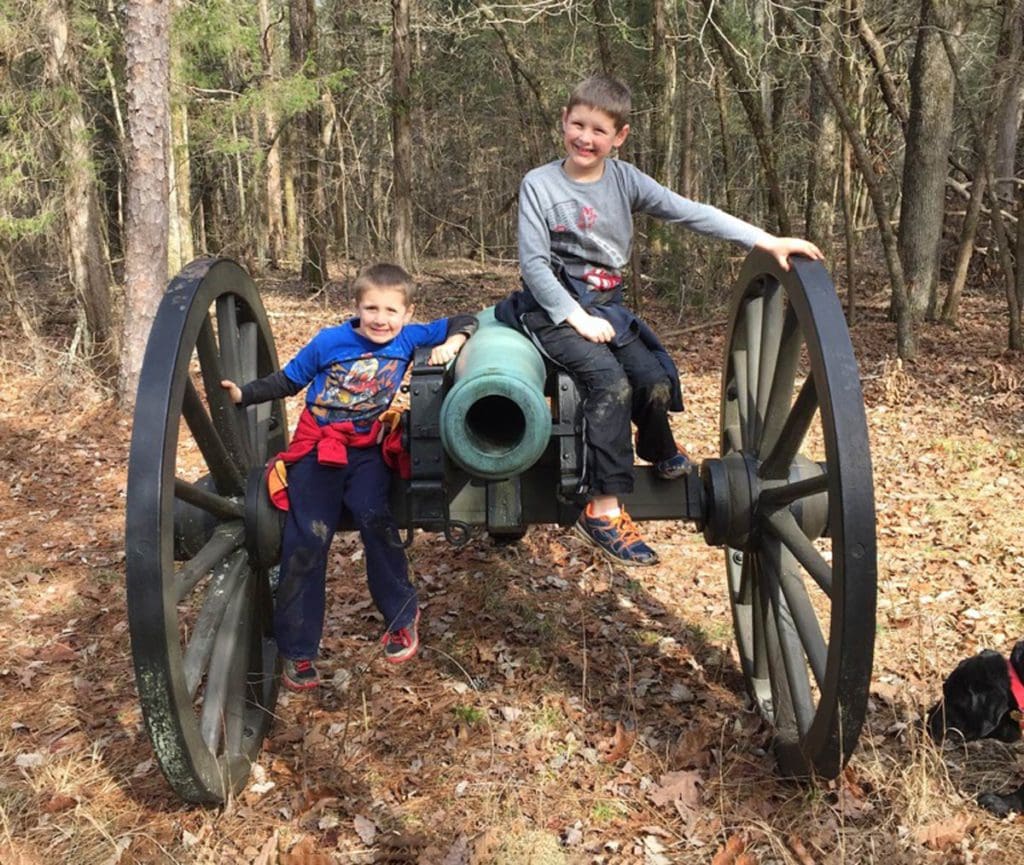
495 420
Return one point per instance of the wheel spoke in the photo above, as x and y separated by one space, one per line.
229 648
225 540
785 494
774 667
771 337
780 395
227 335
797 680
752 328
223 586
257 416
757 615
739 369
783 525
791 437
219 506
225 414
225 472
805 620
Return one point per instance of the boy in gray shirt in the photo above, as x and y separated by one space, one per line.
575 234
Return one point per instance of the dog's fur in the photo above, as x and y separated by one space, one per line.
976 704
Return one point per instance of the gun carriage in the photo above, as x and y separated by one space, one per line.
495 444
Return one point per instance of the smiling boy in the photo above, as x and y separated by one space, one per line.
335 462
575 234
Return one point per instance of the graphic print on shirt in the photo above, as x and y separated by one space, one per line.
575 232
361 388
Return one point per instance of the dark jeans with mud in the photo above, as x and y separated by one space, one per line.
619 384
319 496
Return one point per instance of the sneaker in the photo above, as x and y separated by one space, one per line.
401 645
675 466
616 537
299 675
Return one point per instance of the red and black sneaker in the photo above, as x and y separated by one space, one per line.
299 675
402 645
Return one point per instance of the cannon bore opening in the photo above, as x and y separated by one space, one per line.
495 425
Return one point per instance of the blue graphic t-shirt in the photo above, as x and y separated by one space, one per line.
353 379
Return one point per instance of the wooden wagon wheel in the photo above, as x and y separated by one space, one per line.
792 501
205 665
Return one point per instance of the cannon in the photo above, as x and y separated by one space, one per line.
495 446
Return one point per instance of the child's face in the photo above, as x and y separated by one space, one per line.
382 314
589 135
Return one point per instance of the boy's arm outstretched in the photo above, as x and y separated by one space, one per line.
273 386
781 248
460 329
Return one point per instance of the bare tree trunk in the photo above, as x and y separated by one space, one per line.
759 123
876 54
303 54
728 154
148 72
604 20
1004 159
929 133
906 326
292 213
87 251
274 196
687 171
1008 60
822 166
849 229
663 74
401 136
180 246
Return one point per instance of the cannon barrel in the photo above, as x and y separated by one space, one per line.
495 420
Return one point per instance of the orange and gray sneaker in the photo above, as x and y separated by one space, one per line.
616 537
675 466
402 645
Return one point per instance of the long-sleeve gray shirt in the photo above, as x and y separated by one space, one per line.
587 228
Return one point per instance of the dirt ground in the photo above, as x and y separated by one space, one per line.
563 710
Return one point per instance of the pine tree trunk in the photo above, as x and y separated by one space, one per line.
148 72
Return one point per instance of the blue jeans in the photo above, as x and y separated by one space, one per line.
319 496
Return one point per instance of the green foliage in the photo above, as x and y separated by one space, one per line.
468 715
219 43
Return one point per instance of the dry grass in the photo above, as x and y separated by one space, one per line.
491 747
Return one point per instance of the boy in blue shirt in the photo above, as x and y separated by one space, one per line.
335 462
575 234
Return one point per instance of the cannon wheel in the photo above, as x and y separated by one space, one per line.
205 667
802 589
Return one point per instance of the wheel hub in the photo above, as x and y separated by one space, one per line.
732 493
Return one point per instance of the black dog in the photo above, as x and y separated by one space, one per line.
983 698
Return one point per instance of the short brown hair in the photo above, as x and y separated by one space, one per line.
603 94
385 275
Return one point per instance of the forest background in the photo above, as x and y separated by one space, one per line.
291 134
306 138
